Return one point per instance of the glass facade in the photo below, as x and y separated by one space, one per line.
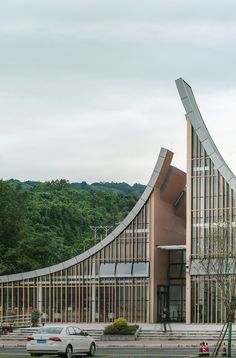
112 283
213 214
177 288
172 295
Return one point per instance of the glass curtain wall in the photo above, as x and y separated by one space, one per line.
213 209
112 283
176 276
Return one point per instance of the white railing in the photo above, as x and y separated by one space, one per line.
7 320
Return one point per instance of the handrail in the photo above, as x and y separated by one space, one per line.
15 318
221 338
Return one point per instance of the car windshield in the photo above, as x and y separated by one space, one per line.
49 330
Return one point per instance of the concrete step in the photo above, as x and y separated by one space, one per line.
151 332
168 337
184 335
22 333
180 335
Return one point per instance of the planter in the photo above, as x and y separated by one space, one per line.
120 337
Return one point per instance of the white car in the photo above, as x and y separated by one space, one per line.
65 341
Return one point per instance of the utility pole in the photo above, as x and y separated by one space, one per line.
106 229
95 230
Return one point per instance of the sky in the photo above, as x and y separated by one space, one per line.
87 87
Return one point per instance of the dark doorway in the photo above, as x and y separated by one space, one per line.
163 299
176 278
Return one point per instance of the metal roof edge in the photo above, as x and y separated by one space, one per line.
194 116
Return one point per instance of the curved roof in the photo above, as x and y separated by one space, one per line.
164 155
194 116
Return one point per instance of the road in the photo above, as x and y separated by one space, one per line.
127 352
124 352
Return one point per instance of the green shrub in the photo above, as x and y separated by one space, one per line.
120 323
35 315
120 326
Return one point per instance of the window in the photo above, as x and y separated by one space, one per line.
107 270
141 269
70 331
123 270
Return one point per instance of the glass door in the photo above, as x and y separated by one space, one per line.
162 299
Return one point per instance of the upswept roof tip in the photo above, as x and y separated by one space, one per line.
194 116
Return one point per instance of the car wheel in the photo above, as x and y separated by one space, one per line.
68 352
92 350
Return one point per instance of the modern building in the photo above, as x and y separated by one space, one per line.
133 272
153 258
210 220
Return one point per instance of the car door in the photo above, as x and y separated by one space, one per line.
71 337
81 340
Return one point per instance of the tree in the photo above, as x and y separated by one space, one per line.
219 263
42 224
13 223
35 316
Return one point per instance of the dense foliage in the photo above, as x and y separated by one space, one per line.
35 316
120 326
45 223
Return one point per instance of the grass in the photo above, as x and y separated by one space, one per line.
14 356
144 356
25 356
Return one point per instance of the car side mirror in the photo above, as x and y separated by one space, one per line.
85 333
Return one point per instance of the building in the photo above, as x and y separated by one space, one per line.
211 206
132 273
141 266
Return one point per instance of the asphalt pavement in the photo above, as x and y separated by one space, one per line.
124 352
144 348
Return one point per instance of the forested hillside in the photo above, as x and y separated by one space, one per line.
45 223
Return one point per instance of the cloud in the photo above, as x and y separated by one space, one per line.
87 87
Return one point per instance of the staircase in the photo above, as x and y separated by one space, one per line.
21 334
147 332
186 333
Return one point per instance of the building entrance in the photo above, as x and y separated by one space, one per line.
163 299
172 295
176 278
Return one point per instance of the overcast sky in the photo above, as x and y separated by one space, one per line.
87 88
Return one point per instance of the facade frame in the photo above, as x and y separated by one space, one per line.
77 290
